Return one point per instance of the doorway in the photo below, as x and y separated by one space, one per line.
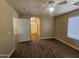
35 28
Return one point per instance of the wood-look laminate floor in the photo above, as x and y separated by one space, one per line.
50 48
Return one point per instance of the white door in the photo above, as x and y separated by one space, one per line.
24 30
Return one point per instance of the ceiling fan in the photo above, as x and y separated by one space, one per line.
51 4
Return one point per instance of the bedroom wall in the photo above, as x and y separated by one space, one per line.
46 27
7 42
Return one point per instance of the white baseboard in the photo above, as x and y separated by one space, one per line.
46 37
67 43
3 56
11 53
7 55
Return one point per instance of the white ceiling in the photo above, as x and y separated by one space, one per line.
37 7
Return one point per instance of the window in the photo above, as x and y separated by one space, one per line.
73 27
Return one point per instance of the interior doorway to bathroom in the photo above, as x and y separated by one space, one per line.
35 28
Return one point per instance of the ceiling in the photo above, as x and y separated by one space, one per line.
37 7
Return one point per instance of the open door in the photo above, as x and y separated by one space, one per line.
22 29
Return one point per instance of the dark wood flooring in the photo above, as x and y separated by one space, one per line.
48 48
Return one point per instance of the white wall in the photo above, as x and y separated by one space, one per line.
46 24
7 42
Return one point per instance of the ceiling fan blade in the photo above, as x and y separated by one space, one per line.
61 3
77 3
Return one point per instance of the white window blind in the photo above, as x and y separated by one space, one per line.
73 27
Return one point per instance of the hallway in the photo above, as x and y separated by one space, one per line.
44 49
35 37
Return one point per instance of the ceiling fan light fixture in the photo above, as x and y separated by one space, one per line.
51 9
